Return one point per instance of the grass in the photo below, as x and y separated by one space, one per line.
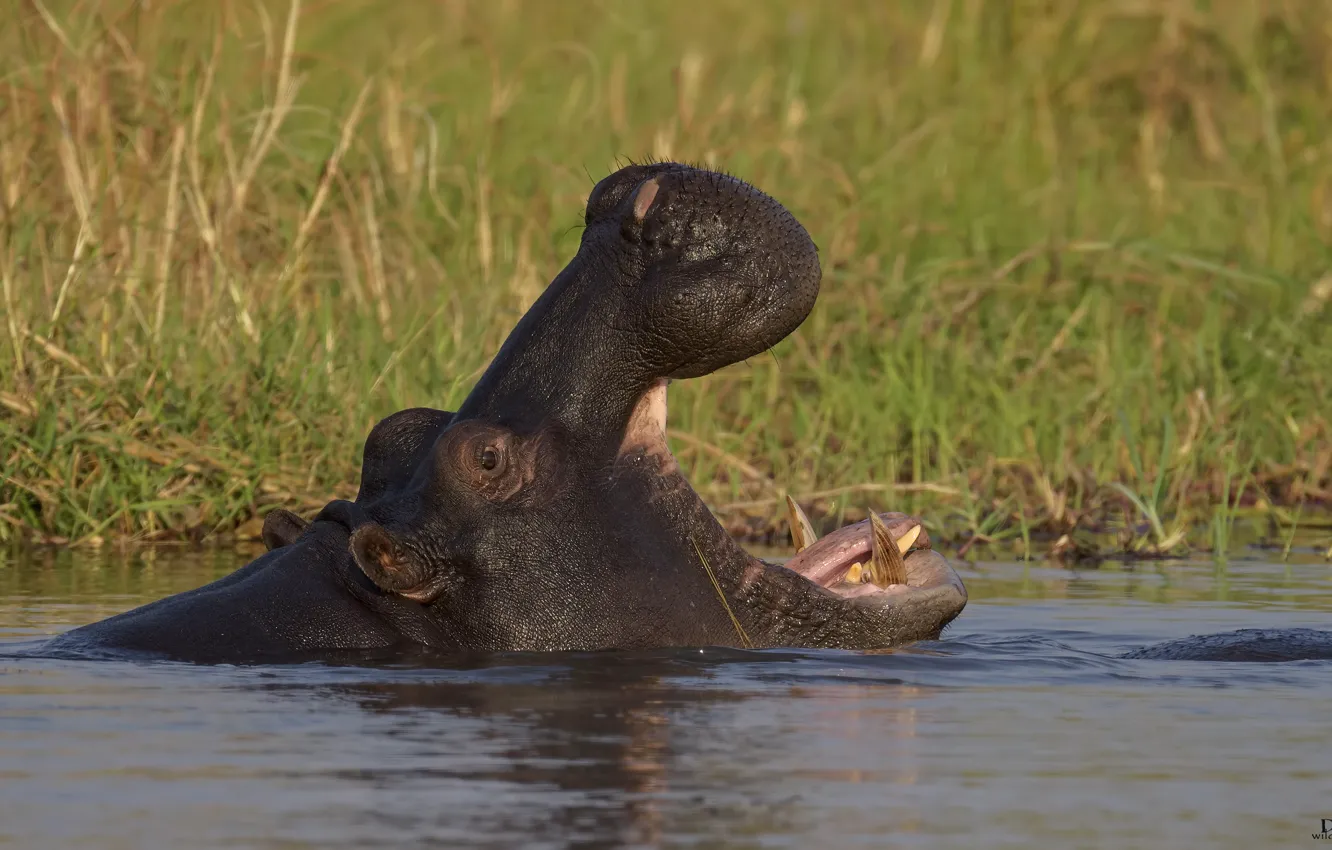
1077 266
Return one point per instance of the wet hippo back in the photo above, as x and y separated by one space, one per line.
1244 645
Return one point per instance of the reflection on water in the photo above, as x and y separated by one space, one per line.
1018 729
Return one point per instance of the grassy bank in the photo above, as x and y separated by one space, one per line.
1077 263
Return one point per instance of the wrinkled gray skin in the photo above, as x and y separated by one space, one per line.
547 513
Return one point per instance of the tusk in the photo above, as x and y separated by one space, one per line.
802 531
886 565
904 542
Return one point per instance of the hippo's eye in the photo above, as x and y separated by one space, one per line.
485 457
488 458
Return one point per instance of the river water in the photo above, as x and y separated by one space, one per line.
1018 729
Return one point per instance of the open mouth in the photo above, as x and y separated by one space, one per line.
873 561
887 555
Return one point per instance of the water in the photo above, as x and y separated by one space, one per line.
1016 730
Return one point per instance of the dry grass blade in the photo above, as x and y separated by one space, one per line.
11 314
716 585
17 404
58 354
284 98
835 492
330 171
169 225
731 461
77 185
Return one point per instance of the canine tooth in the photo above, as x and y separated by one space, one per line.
904 542
856 574
802 531
886 565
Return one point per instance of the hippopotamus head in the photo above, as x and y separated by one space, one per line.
548 512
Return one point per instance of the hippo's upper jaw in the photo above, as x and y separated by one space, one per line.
679 272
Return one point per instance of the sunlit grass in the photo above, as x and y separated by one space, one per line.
1077 264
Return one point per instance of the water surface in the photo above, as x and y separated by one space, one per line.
1018 729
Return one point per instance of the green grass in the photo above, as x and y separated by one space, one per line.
1077 264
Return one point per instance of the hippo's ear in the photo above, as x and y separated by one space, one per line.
391 566
281 528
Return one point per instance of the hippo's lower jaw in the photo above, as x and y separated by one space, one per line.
822 596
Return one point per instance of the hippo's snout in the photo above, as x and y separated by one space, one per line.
680 272
716 270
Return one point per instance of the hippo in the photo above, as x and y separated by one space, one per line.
547 512
1293 644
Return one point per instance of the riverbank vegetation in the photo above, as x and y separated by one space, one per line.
1077 293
